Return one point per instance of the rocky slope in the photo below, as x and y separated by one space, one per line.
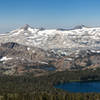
40 50
18 59
80 60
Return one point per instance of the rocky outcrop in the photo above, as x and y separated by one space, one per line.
17 59
85 59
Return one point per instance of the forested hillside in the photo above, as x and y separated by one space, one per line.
28 87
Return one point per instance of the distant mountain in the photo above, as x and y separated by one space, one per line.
40 50
80 27
78 37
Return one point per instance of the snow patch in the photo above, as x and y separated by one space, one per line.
95 51
33 51
17 32
5 58
43 62
69 59
28 48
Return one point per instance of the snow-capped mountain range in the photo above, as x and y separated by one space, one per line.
78 37
40 50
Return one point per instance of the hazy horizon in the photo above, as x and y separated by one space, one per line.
48 13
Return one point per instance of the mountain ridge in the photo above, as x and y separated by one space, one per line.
35 50
81 36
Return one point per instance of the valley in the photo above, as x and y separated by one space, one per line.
33 61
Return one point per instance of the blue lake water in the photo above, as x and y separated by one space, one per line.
82 87
49 68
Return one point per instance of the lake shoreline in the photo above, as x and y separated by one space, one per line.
91 86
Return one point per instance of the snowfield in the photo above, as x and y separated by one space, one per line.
79 37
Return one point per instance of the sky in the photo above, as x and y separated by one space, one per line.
48 13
